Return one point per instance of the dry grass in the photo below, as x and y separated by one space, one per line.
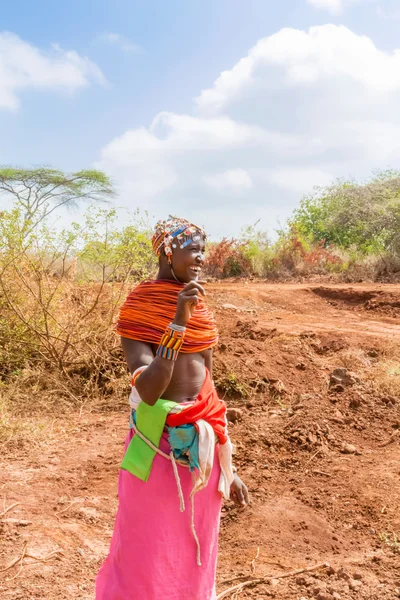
385 377
380 367
384 374
354 359
21 431
70 361
34 402
65 351
40 391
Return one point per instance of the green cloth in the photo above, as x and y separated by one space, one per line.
150 421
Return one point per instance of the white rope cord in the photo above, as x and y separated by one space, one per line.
171 458
149 443
192 524
178 482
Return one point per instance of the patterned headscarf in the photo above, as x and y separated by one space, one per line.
175 232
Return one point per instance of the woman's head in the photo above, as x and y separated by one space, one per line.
180 246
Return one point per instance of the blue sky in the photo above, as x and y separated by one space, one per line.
312 104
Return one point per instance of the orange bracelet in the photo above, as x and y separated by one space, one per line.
137 373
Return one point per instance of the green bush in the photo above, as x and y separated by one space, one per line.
349 215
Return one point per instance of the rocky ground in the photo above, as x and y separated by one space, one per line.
311 376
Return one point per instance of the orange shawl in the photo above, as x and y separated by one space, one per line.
151 306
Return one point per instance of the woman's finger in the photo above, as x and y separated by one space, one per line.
195 285
191 292
241 497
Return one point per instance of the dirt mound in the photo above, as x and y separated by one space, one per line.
317 440
347 296
381 302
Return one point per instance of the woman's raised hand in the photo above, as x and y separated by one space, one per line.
188 299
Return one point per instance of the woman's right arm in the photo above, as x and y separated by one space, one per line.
155 379
152 383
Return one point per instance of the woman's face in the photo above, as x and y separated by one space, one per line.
187 262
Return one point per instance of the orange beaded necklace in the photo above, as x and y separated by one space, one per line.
151 306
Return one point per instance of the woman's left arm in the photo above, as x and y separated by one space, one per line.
239 491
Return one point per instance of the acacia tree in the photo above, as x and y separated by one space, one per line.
36 193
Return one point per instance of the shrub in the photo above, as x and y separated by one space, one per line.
347 214
232 386
294 255
258 250
60 293
227 258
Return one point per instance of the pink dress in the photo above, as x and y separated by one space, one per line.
153 552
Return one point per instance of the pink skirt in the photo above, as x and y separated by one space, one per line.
153 551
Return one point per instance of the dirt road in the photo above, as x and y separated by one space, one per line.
322 462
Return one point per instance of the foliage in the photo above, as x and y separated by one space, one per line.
39 192
231 385
106 252
257 249
294 254
227 259
254 255
348 215
60 291
391 539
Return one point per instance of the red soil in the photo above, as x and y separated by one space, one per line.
323 487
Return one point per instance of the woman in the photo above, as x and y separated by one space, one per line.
177 464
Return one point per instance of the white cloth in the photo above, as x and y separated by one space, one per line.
206 460
134 399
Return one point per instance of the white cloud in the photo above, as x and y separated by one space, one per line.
122 42
184 132
302 108
336 7
299 58
183 152
233 180
23 66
